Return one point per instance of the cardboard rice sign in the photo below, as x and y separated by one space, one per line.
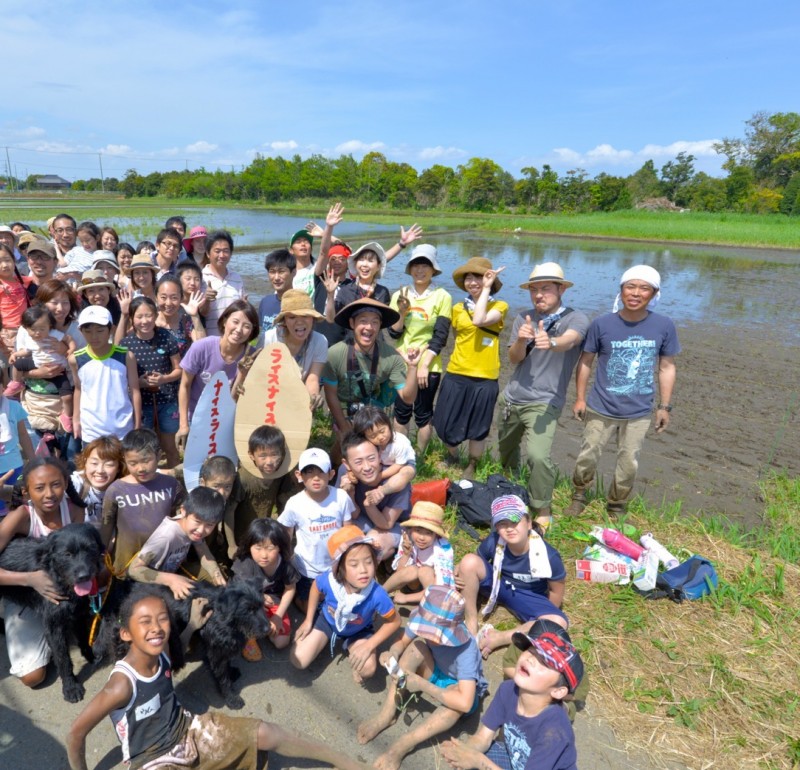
211 429
274 394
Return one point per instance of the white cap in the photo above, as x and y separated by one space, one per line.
316 457
94 314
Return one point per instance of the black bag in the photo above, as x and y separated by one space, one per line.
693 579
474 504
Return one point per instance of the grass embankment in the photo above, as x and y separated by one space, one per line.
726 229
713 683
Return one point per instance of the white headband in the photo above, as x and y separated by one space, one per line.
641 273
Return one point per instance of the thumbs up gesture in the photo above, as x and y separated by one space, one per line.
527 331
542 338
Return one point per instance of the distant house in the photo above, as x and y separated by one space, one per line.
52 182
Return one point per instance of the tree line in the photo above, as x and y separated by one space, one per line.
762 176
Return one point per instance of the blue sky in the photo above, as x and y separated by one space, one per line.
574 83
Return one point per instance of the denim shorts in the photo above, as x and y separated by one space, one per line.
166 414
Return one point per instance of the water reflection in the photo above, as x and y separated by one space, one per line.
705 284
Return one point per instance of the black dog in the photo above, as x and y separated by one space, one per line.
236 612
72 558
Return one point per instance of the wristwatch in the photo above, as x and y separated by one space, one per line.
553 343
665 407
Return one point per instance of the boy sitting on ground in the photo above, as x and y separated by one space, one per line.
437 656
166 549
537 734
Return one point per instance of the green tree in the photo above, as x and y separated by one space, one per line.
768 136
547 190
738 186
435 186
576 192
790 203
644 183
610 193
707 193
481 184
676 176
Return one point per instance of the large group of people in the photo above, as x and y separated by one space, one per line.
106 351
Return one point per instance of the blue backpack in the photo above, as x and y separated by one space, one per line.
693 579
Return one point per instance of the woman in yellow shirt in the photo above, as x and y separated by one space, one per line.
469 391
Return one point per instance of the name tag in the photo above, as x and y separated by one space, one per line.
147 709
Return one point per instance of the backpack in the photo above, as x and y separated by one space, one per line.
693 579
474 504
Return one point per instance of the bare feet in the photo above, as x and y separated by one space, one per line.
369 728
387 761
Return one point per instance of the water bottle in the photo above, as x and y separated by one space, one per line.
618 542
664 556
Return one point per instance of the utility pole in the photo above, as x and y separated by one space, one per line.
102 180
8 172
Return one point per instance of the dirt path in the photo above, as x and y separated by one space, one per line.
323 701
736 415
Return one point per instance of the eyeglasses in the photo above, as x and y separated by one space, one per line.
65 230
37 256
170 245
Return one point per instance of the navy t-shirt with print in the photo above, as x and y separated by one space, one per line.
517 569
627 362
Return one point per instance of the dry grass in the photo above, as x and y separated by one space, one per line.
707 684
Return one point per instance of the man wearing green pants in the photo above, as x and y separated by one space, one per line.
545 346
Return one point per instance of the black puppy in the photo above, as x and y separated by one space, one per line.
72 558
236 612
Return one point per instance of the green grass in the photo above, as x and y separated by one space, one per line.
716 679
730 229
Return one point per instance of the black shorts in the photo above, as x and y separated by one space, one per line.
423 404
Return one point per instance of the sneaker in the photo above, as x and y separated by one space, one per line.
575 508
251 652
13 389
66 422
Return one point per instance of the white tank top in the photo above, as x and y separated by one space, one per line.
38 527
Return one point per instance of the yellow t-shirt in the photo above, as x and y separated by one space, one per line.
421 319
477 350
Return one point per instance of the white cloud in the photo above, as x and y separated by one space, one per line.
283 146
704 147
201 147
356 147
116 149
441 153
606 157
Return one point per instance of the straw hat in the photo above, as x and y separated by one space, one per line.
428 516
547 271
142 259
341 541
297 302
93 279
476 266
440 617
387 314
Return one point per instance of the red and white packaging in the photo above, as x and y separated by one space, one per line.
602 571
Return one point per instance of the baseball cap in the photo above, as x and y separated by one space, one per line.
317 457
556 653
508 508
301 234
94 314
